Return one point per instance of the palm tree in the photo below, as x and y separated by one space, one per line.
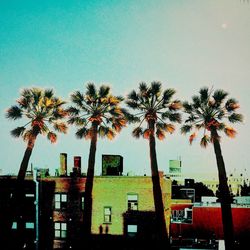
95 112
154 107
41 110
43 113
207 112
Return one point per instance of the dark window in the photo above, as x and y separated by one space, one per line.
107 214
132 230
60 229
132 201
60 201
82 201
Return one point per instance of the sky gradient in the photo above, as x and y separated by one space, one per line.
185 44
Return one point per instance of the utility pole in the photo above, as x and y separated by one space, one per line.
35 174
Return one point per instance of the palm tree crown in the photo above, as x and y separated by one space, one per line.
43 111
154 104
209 110
96 107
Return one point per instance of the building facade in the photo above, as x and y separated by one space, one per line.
122 206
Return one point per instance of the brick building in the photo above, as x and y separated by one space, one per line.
122 206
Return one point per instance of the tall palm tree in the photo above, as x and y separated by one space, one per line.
95 112
43 114
207 112
154 108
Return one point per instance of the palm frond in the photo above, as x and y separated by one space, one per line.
198 126
131 118
110 134
175 105
167 95
221 126
204 95
192 137
52 137
77 98
230 132
36 95
57 102
219 95
116 127
27 135
59 113
147 133
81 133
155 88
91 90
191 118
113 100
102 131
120 98
234 117
204 141
231 105
143 88
160 134
186 129
133 104
160 125
221 114
23 102
73 111
14 112
116 111
187 107
48 93
165 127
118 124
103 91
132 96
17 132
196 101
60 127
175 117
26 93
137 132
43 129
170 128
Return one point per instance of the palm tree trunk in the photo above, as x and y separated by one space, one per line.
16 200
87 212
159 207
226 212
25 162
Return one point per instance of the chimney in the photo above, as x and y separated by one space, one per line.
77 165
63 164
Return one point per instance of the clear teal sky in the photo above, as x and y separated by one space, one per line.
185 44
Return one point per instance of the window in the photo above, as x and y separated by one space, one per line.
184 216
14 225
82 201
177 215
132 230
107 214
188 215
132 201
60 201
29 225
60 229
30 195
